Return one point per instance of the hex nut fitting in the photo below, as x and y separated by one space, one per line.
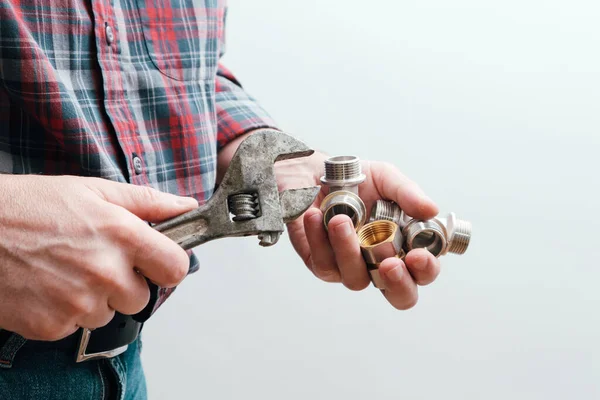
344 202
343 173
438 235
380 240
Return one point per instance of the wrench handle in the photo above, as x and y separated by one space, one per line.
187 230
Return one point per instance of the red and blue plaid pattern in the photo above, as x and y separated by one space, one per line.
87 86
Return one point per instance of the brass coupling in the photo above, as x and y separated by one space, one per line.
380 240
342 176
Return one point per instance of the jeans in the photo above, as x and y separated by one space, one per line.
42 370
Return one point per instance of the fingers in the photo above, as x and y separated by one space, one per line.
101 317
393 185
147 203
423 266
155 255
346 249
132 295
400 288
323 262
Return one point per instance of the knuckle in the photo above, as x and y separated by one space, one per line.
48 330
146 194
178 270
106 276
142 298
83 305
122 226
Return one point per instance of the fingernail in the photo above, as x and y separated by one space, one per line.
395 274
315 218
186 202
345 229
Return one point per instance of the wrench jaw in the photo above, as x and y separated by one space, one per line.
295 202
273 146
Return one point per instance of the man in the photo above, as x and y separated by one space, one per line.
116 113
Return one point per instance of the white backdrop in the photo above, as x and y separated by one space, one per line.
493 108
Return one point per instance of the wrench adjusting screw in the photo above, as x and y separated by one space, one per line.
244 206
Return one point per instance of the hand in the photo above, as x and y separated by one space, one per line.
335 256
73 250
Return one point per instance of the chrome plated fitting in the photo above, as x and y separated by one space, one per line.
380 240
344 202
438 235
342 176
388 210
343 173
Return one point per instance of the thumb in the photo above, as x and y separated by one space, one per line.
145 202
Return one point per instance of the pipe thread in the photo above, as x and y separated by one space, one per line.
375 233
386 210
342 168
461 238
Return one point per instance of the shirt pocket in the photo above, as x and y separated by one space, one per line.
183 37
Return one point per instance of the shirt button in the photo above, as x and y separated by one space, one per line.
110 36
137 164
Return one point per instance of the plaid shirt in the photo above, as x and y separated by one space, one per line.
127 90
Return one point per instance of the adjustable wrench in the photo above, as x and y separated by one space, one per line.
246 203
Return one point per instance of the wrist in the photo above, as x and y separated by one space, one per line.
226 154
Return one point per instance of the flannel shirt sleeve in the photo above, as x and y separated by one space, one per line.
237 111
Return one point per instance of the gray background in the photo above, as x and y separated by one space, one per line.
492 107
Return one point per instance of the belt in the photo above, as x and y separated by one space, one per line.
111 340
108 341
105 342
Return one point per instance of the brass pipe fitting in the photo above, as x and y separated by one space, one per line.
344 202
380 240
342 176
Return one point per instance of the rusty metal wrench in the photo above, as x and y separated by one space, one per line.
247 202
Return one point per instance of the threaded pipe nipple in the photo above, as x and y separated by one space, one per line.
343 173
461 238
342 168
387 210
